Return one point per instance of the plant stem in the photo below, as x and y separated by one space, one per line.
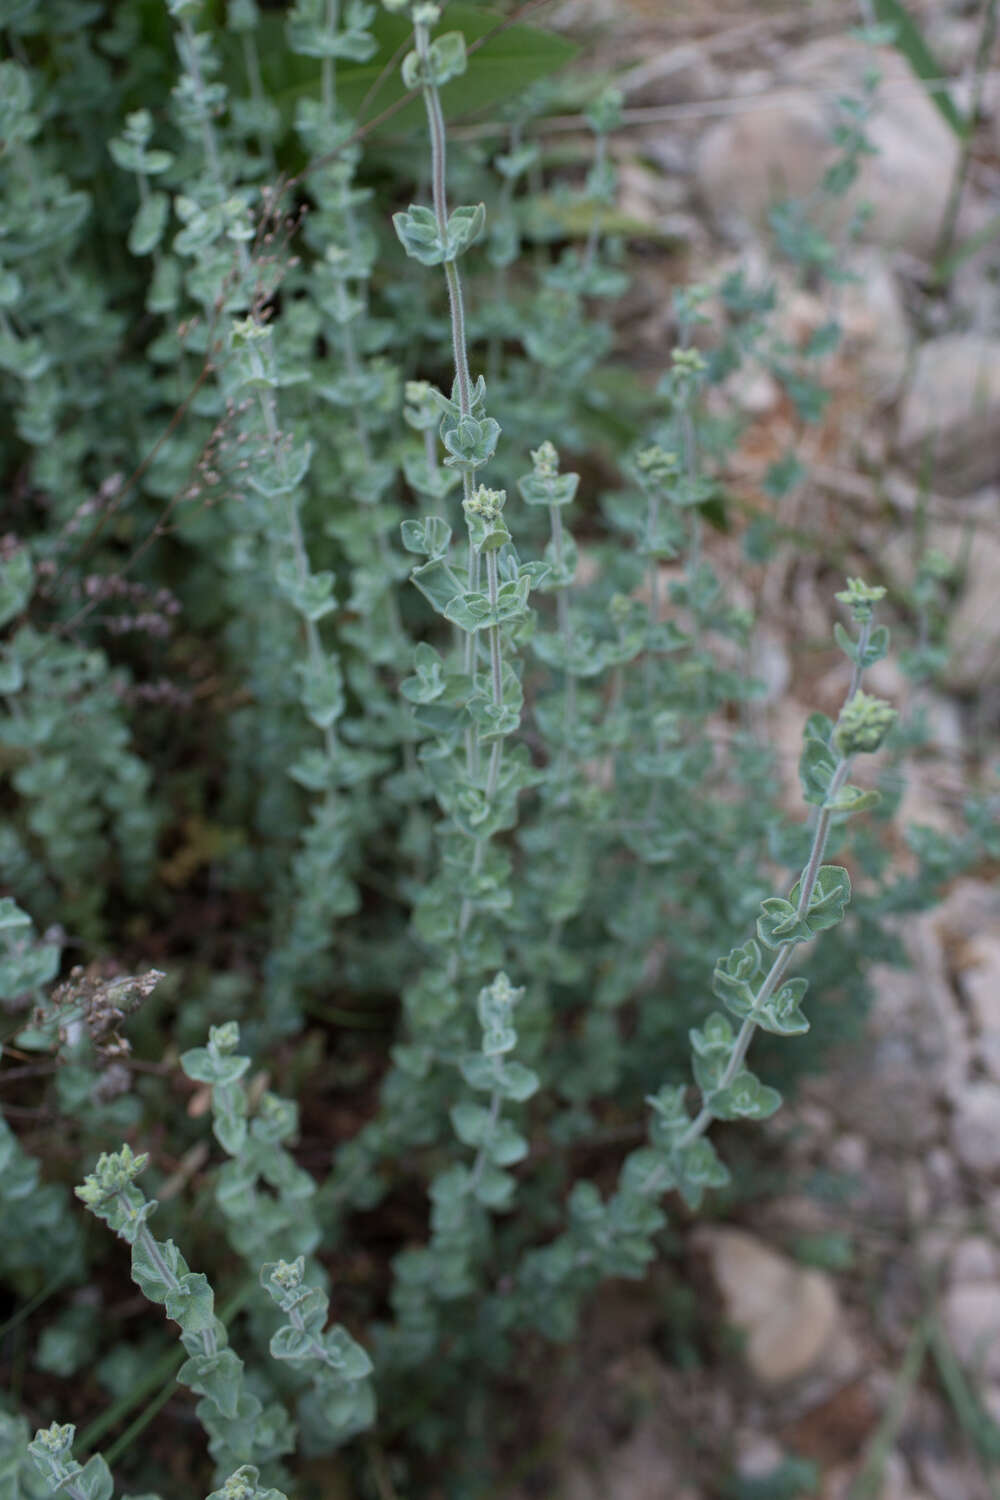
162 1370
984 49
593 238
496 674
456 306
859 664
496 665
152 1249
251 63
563 619
653 576
782 960
364 443
478 1166
189 57
314 645
329 71
500 277
868 1480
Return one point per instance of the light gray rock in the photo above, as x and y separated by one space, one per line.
952 39
981 984
675 75
781 146
974 622
972 1320
790 1314
975 1130
974 1258
981 981
765 153
949 426
770 663
876 333
974 627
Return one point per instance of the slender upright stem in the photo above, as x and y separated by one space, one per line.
482 1156
456 305
500 277
783 958
565 625
314 645
984 50
653 583
189 56
431 452
495 659
251 63
859 661
152 1249
267 401
593 238
435 122
496 674
364 443
329 70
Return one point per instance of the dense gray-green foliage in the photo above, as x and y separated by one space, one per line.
361 643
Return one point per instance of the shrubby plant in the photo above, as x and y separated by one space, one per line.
334 674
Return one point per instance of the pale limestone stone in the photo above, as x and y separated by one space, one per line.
850 1153
790 1314
975 1129
756 1455
972 1320
981 984
949 424
974 1259
876 332
780 147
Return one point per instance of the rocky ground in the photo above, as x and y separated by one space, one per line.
849 1317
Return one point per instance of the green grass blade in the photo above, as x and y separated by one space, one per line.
27 1308
976 242
161 1374
910 43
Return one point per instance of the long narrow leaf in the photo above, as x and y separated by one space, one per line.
982 237
910 43
513 57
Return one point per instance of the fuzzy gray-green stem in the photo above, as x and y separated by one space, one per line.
565 633
478 1166
431 452
593 238
864 637
496 674
268 408
463 380
782 960
456 304
251 64
439 195
152 1249
365 445
653 575
496 663
189 56
316 1349
500 277
329 71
